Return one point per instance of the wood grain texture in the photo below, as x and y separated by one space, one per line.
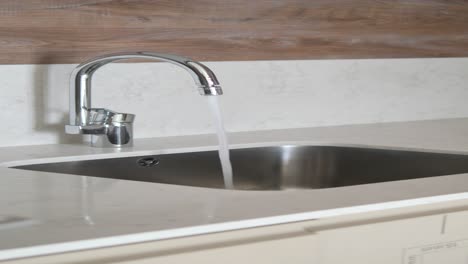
70 31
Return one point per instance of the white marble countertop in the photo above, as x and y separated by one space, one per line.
43 213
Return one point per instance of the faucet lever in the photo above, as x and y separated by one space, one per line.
117 128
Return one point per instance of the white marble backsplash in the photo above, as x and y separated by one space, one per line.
259 95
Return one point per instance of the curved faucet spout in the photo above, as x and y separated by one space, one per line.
80 82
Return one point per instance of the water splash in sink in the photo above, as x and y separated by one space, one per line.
223 142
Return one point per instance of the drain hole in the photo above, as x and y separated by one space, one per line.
148 162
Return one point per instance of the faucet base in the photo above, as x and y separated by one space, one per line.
118 135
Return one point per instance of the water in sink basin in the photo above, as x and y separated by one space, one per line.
272 168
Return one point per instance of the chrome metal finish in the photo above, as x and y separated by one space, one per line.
148 162
272 168
115 129
107 128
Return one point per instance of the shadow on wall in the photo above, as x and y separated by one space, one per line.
50 112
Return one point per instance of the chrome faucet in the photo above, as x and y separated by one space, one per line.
109 128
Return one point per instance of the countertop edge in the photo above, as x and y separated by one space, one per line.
120 240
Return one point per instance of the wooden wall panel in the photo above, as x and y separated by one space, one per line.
69 31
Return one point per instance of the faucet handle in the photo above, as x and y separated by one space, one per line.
106 127
105 116
98 115
86 130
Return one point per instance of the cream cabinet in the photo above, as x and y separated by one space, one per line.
439 238
297 249
430 234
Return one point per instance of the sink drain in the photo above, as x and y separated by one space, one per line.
147 162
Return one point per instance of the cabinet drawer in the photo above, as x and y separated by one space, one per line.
418 240
300 249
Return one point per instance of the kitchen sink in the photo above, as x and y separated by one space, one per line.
271 168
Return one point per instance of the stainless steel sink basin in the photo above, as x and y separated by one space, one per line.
271 168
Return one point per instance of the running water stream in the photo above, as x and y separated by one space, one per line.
223 142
